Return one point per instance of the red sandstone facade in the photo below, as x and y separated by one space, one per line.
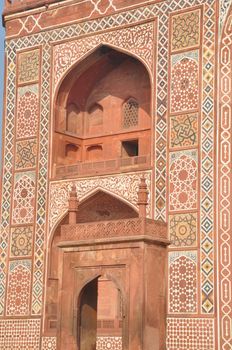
116 184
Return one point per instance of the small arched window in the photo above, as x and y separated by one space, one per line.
73 119
130 113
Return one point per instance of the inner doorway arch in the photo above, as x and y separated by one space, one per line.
100 315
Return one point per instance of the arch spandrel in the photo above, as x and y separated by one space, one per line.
123 187
69 54
95 207
225 12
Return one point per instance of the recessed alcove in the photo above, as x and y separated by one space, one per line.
73 119
103 100
130 148
94 119
71 151
94 152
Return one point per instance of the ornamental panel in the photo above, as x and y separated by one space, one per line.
27 111
183 230
184 130
19 288
19 334
183 282
109 343
184 83
190 333
24 198
48 343
21 241
183 180
28 66
185 30
26 151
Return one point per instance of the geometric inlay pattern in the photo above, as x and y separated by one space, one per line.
184 85
19 288
20 334
109 343
27 111
21 241
182 282
208 160
184 130
159 9
190 333
48 343
183 230
185 30
26 154
28 66
183 180
224 195
24 198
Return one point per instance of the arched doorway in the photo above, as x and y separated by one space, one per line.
100 316
98 207
111 278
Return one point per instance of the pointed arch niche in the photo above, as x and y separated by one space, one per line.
89 113
107 275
